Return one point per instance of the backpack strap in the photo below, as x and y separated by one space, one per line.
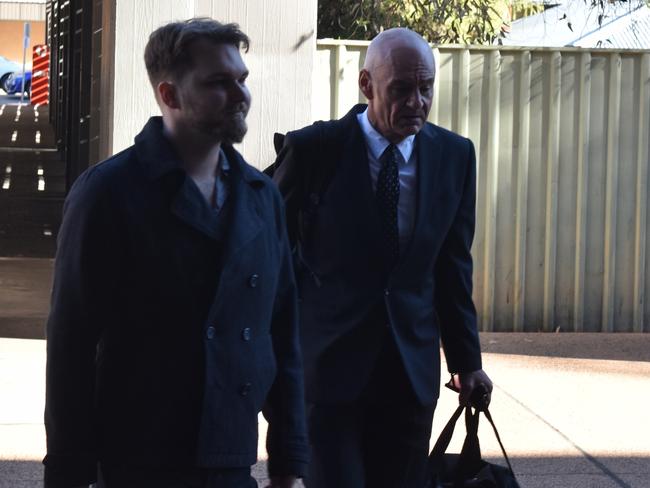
316 151
319 172
323 167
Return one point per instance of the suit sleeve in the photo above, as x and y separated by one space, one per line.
286 440
453 278
80 301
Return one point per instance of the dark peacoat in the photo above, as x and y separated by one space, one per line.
343 279
171 328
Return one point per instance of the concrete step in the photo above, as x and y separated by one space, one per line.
23 126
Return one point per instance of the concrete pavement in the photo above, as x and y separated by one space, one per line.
572 409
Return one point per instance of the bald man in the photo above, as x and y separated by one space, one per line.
384 270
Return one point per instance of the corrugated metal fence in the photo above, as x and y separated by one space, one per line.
562 139
22 10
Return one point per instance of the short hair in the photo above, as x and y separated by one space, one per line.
167 51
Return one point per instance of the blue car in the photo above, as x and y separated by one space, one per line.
13 82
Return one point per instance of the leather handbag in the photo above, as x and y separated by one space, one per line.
467 469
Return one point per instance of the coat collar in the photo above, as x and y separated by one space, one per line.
158 157
155 153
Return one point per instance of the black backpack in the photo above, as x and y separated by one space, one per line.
321 135
321 139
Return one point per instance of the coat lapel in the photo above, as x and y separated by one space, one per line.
159 161
245 215
189 205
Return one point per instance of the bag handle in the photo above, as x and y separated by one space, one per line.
441 445
478 401
496 433
471 448
470 454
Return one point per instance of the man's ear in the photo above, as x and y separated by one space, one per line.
365 84
168 94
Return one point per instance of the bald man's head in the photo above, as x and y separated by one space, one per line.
389 41
397 79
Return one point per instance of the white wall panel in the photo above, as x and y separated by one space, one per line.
134 101
280 60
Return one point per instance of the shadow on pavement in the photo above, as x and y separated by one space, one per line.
29 474
532 472
25 297
581 472
582 345
21 474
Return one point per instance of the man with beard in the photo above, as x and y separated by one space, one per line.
173 318
383 230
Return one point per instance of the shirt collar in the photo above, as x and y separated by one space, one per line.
377 143
223 164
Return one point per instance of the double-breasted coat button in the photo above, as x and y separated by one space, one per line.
386 291
245 389
210 332
246 334
252 280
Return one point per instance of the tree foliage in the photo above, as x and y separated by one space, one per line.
438 21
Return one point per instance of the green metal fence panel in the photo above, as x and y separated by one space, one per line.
563 146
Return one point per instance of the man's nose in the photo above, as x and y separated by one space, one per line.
239 92
415 100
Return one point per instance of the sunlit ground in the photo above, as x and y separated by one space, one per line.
564 421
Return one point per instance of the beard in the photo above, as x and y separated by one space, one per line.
234 130
230 129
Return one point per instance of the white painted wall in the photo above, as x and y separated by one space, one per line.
281 58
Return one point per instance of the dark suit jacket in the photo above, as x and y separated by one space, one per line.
169 327
344 281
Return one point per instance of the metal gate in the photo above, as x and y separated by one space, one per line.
74 33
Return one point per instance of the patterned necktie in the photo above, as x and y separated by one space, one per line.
387 198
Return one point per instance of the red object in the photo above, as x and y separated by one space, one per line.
40 75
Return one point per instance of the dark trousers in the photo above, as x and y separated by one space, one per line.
127 477
379 441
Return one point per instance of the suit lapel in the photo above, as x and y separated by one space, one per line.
429 162
358 207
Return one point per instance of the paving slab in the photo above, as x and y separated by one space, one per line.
571 408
